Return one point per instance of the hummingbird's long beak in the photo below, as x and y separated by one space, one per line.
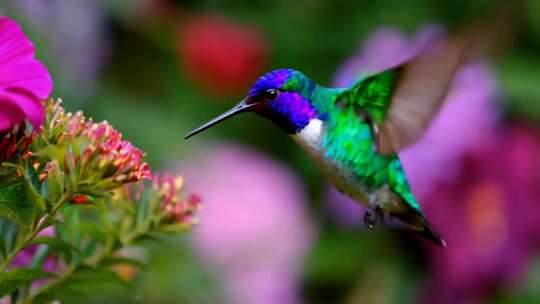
242 106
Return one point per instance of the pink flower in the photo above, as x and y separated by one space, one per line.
111 151
255 228
168 201
93 151
24 81
175 205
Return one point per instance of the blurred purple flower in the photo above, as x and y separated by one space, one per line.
255 229
490 218
74 31
25 257
465 123
24 81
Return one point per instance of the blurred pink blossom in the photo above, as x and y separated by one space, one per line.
24 81
465 123
255 228
490 218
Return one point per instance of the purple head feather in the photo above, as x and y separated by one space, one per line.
290 108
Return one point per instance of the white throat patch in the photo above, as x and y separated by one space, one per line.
311 135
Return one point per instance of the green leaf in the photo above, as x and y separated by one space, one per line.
18 277
9 232
65 295
91 229
149 237
10 214
56 244
83 274
122 260
14 205
3 247
8 174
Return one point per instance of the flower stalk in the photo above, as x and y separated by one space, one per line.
43 223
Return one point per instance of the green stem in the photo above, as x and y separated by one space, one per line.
21 245
65 276
107 252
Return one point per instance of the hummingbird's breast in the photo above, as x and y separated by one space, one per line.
343 178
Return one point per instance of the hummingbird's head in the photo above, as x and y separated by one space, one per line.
283 96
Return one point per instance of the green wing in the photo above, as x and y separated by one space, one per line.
373 94
403 100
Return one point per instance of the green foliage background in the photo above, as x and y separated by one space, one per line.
145 95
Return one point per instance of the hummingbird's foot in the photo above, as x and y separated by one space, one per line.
372 216
370 219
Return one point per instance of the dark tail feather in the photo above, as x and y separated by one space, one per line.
418 222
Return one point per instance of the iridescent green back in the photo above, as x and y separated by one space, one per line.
349 139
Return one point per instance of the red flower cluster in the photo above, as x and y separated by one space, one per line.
97 148
15 142
220 56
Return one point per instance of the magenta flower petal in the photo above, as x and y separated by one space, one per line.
13 43
10 114
28 104
24 81
18 68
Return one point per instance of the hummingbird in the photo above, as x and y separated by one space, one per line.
354 134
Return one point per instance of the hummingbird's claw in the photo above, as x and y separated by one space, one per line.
372 216
370 219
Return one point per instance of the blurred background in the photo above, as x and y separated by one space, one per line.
272 230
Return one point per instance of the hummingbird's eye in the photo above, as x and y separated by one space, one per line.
271 94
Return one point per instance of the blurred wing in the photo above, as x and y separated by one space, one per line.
403 100
420 87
